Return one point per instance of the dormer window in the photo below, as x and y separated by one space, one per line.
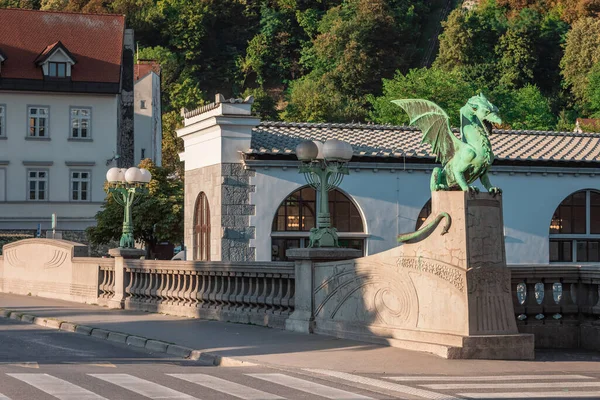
56 62
57 69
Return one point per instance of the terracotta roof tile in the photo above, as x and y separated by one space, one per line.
95 40
143 68
386 141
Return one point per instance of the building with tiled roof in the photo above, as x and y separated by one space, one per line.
245 199
147 111
66 115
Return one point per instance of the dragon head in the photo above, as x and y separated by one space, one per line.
482 109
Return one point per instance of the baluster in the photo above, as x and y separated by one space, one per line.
161 293
292 286
193 285
143 285
252 294
177 293
168 278
185 286
241 293
278 282
202 294
111 283
154 287
213 289
148 285
262 306
102 286
135 290
269 298
222 288
130 284
285 300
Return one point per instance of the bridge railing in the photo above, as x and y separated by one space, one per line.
252 292
560 304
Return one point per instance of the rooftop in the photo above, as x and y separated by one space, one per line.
95 40
390 142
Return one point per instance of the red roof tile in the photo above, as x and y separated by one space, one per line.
95 40
143 68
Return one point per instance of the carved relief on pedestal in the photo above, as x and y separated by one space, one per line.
58 259
12 258
448 273
369 294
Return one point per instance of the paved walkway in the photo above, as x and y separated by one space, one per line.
287 349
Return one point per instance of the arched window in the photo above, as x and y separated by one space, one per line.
297 214
202 229
423 215
575 228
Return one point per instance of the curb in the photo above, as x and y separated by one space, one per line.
152 345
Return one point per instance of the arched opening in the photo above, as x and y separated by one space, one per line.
575 228
297 214
202 229
423 215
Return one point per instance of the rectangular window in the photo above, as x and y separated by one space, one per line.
80 186
37 183
142 103
38 121
2 120
57 69
143 154
81 123
561 250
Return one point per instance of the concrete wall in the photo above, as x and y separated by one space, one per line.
147 121
390 198
51 268
88 155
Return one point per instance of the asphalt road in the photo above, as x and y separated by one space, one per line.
38 363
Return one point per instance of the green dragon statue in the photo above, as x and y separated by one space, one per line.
463 160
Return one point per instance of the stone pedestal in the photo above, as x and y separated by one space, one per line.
444 293
302 319
120 254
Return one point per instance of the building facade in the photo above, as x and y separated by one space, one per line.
243 188
147 111
67 115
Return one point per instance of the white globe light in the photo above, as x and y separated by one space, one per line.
335 149
133 175
146 175
320 147
113 175
122 175
307 151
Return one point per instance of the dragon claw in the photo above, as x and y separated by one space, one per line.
494 191
473 189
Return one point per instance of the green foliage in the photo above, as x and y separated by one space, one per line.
582 51
593 91
447 89
525 108
264 105
157 217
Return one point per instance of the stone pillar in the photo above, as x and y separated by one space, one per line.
302 319
120 255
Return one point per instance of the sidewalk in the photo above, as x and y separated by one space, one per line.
266 346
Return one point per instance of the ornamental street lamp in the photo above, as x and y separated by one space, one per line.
125 184
324 167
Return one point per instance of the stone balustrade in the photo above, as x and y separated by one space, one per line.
560 304
106 283
258 293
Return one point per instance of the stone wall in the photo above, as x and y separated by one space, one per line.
227 187
236 212
207 180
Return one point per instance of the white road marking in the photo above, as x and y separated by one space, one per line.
426 394
56 387
309 387
227 387
33 365
141 386
545 385
485 378
531 395
3 397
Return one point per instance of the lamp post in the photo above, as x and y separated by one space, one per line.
127 185
324 167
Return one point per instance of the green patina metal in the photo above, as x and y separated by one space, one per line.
463 160
127 195
323 176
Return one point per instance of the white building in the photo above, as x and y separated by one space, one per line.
147 109
245 199
66 115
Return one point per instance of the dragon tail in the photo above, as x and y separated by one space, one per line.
425 230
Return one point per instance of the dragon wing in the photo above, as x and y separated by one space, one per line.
435 125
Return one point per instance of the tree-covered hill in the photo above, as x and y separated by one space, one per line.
343 60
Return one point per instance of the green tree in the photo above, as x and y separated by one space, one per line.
525 108
582 51
447 89
593 92
157 217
